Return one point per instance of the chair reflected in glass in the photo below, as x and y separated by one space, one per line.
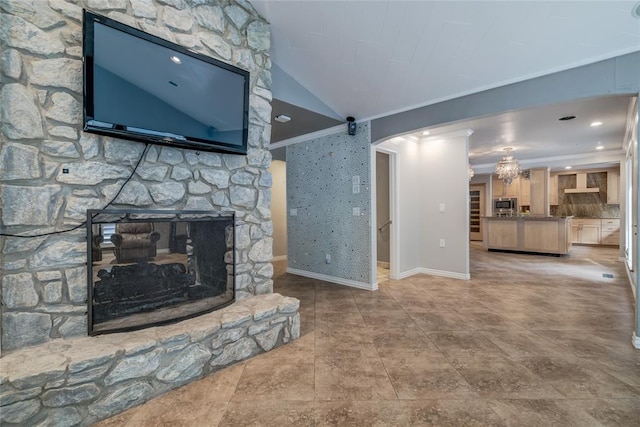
134 241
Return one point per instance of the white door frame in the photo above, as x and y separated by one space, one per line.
394 256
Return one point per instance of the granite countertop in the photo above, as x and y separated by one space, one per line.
528 218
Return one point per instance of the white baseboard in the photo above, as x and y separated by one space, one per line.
636 341
432 272
408 273
332 279
631 283
279 258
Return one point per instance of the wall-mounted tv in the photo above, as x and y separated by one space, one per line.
143 88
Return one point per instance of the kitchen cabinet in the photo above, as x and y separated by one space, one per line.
524 199
539 198
610 231
613 187
501 190
553 190
548 235
586 231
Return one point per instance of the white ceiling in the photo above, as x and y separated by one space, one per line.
534 133
368 59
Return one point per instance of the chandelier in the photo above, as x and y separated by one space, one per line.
507 168
470 170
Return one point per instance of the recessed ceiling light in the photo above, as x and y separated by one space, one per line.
566 118
282 118
567 167
599 147
426 132
175 59
594 124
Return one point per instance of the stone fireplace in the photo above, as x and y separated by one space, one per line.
53 172
51 371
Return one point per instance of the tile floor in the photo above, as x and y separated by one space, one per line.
529 341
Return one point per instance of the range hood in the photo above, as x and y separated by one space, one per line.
581 185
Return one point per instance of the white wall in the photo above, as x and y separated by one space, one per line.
278 171
429 173
444 173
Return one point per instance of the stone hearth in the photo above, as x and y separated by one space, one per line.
79 381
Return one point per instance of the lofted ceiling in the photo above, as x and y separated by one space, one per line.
368 59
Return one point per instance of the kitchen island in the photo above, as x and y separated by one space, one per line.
538 234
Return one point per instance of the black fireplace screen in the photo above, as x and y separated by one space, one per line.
151 267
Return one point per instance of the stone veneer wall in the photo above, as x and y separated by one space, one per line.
319 187
44 278
82 380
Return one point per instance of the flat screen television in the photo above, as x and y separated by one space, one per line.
143 88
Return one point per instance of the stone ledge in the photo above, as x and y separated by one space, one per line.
79 381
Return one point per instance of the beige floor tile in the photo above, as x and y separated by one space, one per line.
285 380
577 379
427 378
404 343
522 343
338 305
454 413
464 344
344 343
541 412
349 321
388 319
611 412
503 379
274 413
352 379
379 413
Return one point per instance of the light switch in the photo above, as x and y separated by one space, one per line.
442 243
293 212
441 207
356 211
355 180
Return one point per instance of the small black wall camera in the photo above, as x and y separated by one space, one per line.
351 125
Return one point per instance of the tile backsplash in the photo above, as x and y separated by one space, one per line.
584 205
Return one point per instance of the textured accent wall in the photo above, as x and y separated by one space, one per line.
44 279
319 187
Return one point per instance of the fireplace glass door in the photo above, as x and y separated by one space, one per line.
148 268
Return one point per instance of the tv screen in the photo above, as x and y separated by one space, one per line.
140 87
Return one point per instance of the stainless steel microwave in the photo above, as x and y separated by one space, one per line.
505 206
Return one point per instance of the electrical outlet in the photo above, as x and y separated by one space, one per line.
293 212
442 243
356 189
327 258
441 207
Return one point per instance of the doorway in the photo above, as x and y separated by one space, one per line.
476 211
383 215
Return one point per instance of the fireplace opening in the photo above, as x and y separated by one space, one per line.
150 267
